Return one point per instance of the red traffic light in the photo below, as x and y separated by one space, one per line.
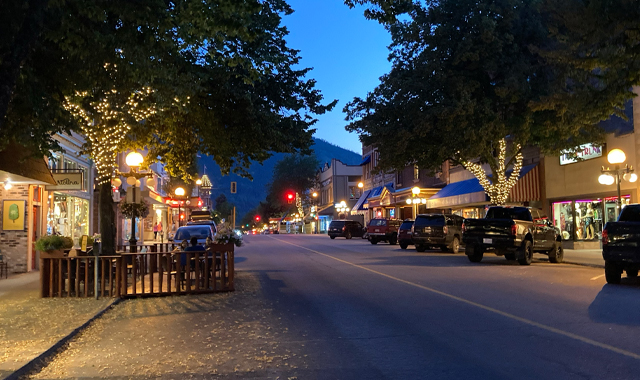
290 197
257 218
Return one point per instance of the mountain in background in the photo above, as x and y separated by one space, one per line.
250 193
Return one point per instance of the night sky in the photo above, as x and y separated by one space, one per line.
347 52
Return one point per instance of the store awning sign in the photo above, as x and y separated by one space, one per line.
585 152
67 181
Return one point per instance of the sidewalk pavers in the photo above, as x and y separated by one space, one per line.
30 325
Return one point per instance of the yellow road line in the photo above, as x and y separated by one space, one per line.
483 307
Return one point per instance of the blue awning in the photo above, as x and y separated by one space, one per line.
359 206
366 160
458 188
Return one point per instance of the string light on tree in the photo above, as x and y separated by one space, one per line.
498 190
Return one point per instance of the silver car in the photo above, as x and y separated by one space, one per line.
199 231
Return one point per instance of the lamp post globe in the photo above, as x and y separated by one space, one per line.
616 156
134 160
179 191
360 185
198 182
415 190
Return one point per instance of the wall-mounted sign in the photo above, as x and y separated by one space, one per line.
586 152
67 181
13 215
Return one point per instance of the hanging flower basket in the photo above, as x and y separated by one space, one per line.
134 210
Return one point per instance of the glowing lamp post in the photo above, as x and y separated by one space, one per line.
179 191
610 176
342 209
415 200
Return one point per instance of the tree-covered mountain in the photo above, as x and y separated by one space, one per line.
250 193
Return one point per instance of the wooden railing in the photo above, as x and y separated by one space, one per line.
140 274
152 247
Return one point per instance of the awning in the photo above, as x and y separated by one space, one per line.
359 206
327 211
366 160
18 166
527 188
458 193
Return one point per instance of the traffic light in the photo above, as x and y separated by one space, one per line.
290 197
257 218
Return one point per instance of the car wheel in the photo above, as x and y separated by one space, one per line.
403 246
632 272
510 256
556 255
348 235
525 255
374 241
474 253
420 248
332 237
612 272
455 245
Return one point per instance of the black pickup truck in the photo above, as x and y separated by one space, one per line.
621 245
512 232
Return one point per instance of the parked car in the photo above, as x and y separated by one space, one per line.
204 222
345 228
404 233
383 230
620 242
437 230
201 232
515 232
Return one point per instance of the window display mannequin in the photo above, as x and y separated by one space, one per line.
588 223
579 224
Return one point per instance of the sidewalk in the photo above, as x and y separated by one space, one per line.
30 325
591 257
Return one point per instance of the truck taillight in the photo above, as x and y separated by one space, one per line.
514 229
344 228
464 228
445 229
605 237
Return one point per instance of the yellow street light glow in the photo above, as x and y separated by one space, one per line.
632 177
415 190
179 191
606 179
134 159
198 181
408 201
314 194
360 185
616 156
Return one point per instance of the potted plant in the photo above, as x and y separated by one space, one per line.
53 245
227 236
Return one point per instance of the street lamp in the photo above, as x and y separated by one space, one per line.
133 160
315 205
179 191
610 176
342 208
415 200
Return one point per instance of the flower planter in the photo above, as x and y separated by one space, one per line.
53 254
222 247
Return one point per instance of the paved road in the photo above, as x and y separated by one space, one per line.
314 308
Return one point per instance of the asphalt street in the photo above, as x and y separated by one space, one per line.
309 307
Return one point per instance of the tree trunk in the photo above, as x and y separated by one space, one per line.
107 220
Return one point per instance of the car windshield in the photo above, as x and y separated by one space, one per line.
406 225
630 214
516 213
429 220
378 222
185 233
336 225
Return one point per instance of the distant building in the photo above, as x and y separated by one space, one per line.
336 183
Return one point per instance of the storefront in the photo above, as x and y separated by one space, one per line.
584 219
68 215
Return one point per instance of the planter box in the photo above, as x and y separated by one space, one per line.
222 247
55 254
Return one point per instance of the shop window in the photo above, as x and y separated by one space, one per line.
588 219
563 218
68 216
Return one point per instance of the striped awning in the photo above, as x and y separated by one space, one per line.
527 188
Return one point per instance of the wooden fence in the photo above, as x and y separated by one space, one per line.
141 274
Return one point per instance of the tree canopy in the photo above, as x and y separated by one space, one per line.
467 74
222 76
295 173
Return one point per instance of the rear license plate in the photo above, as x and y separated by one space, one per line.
487 241
377 230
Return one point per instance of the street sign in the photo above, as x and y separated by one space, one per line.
234 187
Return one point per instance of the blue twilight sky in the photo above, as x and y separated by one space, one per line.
348 54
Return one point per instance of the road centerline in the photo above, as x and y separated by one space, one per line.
480 306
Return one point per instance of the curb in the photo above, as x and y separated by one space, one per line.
600 266
45 357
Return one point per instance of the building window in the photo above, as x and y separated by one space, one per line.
85 176
54 162
416 172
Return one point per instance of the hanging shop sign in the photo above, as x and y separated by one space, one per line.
67 181
586 152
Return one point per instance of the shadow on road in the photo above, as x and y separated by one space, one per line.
619 304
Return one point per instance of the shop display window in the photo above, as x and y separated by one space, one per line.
68 216
588 219
563 218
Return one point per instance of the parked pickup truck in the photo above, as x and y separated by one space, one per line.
621 245
512 232
383 230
